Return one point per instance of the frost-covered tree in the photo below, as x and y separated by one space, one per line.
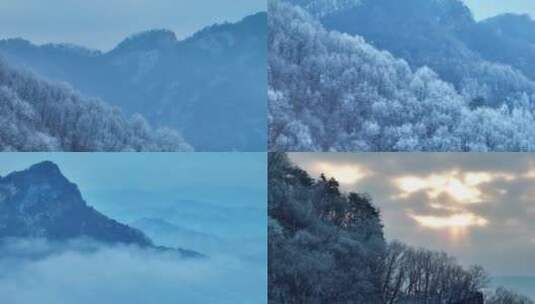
324 246
492 54
423 276
38 115
334 92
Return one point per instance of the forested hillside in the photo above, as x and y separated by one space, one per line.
330 91
326 246
210 86
38 115
487 60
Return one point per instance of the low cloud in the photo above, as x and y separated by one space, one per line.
83 272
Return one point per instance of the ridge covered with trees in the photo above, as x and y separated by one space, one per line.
326 246
197 85
332 91
39 115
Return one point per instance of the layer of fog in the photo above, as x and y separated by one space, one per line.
82 272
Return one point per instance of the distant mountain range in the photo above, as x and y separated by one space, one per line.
211 86
42 115
390 75
40 203
209 217
521 284
169 234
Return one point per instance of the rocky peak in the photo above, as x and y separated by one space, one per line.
45 167
40 202
45 172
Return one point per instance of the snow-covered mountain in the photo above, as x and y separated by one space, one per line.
210 86
39 115
489 60
332 91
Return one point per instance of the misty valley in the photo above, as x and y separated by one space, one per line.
51 238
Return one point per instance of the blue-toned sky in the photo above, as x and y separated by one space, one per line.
487 8
152 172
101 24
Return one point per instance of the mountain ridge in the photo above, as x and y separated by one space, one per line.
246 23
444 36
214 75
40 202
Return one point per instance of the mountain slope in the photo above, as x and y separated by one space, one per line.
324 246
41 203
331 91
507 39
38 115
210 86
443 35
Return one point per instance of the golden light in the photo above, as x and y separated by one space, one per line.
530 174
439 206
463 188
344 174
462 220
476 178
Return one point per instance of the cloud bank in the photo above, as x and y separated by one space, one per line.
113 275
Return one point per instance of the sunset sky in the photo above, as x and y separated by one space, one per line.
477 207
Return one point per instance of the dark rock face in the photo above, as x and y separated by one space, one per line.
476 298
41 203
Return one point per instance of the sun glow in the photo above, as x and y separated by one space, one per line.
345 174
462 187
462 220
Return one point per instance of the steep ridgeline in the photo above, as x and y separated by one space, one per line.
326 246
41 203
330 91
38 115
211 86
489 60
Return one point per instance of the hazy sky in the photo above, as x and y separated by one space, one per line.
488 8
478 207
102 24
129 186
150 172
